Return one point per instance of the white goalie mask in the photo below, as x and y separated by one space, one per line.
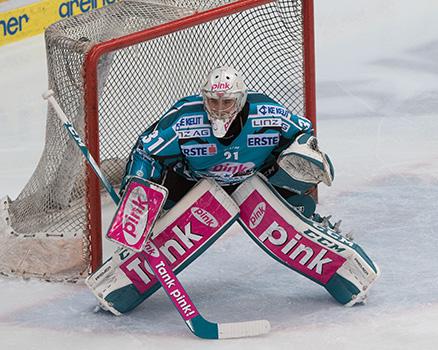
224 93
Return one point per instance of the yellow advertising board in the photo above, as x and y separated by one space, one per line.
33 19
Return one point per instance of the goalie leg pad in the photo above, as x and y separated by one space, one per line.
182 234
318 253
113 289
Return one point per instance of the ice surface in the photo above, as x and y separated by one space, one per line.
377 105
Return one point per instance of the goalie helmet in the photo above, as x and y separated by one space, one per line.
224 93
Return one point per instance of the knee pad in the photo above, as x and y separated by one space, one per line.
305 204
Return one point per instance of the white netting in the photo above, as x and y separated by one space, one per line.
136 85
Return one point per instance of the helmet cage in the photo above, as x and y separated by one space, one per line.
221 106
224 94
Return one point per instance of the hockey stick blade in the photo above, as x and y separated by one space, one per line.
243 329
159 265
208 330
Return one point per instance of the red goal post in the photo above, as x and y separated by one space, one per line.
115 70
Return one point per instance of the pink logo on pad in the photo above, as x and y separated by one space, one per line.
286 243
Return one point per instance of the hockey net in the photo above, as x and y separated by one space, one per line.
114 71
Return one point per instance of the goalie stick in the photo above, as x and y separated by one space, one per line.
175 291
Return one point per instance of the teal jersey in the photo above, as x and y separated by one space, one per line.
183 140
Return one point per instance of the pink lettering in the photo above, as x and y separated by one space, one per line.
221 86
